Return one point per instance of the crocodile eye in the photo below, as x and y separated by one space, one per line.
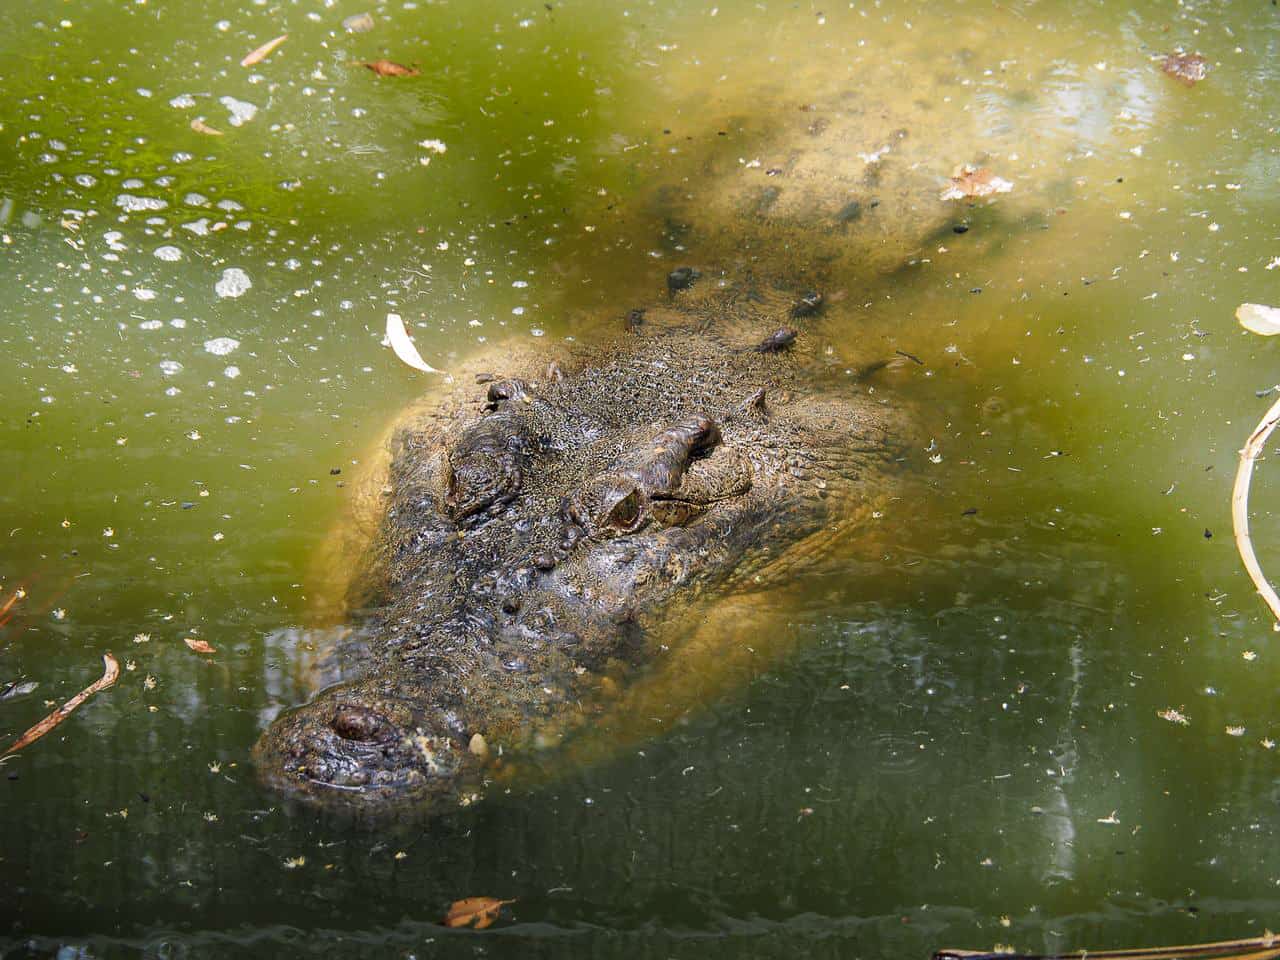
361 724
624 515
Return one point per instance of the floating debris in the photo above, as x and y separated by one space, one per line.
1188 68
358 23
15 690
398 338
199 126
221 346
199 646
131 204
261 53
389 68
234 283
242 111
110 672
970 181
477 912
1257 318
1174 716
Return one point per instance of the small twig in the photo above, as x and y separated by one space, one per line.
1240 507
110 672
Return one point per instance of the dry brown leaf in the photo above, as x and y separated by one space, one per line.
389 68
199 646
110 671
264 51
1189 68
478 912
199 126
970 181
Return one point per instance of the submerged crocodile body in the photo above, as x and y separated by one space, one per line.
545 542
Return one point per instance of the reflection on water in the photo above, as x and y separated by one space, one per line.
966 747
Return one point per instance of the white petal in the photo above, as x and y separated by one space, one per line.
398 337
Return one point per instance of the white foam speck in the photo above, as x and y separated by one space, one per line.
231 372
242 111
234 283
435 146
183 101
178 323
229 205
196 200
221 346
199 227
150 325
168 253
144 293
170 367
86 179
131 204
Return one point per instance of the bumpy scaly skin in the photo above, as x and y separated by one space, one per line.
540 535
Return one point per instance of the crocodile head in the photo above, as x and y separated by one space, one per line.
532 548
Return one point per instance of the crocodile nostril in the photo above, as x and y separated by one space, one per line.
505 390
361 724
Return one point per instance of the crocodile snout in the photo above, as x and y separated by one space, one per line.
356 744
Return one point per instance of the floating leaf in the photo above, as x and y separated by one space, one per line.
398 337
1257 318
111 670
478 912
264 51
16 689
970 181
1189 68
199 646
389 68
199 126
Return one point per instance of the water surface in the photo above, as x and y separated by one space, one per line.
966 747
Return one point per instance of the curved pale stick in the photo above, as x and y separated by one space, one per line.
1257 948
1240 507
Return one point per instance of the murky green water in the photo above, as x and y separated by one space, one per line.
966 749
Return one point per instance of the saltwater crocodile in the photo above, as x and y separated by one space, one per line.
601 537
554 545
